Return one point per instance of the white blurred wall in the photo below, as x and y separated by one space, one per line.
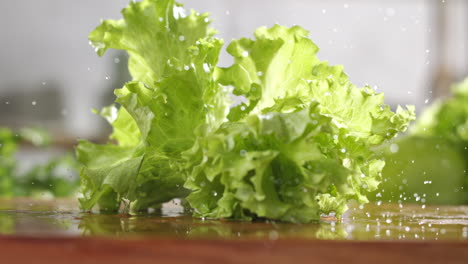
389 44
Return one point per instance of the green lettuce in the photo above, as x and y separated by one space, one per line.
447 118
298 146
429 164
56 177
301 145
173 92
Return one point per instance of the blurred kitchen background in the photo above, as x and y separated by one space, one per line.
50 76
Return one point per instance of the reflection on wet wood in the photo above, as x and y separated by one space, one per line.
98 250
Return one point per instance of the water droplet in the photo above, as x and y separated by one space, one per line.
407 229
388 221
260 73
116 60
107 77
206 67
245 54
273 235
426 101
181 38
343 150
186 67
324 11
161 19
394 148
34 103
207 20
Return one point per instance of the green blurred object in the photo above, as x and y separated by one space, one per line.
429 164
422 170
8 146
57 177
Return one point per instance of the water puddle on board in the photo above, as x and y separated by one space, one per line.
25 217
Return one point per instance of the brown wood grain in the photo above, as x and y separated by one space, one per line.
104 250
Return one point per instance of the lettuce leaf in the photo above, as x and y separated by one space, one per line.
300 146
57 177
173 92
428 165
447 118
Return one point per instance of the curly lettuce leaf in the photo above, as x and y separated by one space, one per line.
279 71
172 94
156 34
301 145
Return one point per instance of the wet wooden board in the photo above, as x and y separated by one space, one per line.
101 250
56 231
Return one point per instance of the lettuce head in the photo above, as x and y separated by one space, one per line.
300 144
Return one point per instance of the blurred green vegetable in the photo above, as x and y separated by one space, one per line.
429 164
57 177
8 146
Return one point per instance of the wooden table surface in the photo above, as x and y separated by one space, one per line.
101 250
